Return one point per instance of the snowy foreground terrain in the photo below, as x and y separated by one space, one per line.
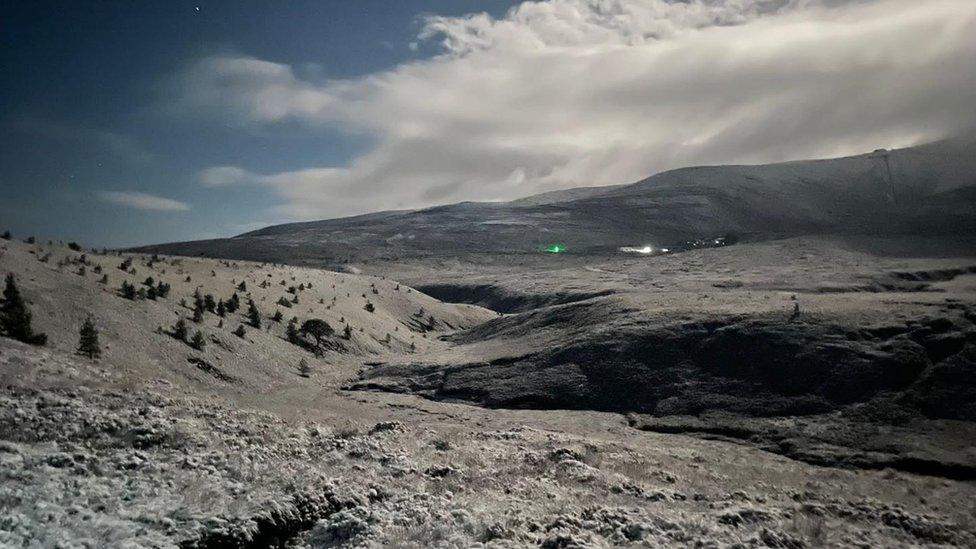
584 401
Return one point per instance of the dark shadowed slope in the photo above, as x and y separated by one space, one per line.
930 189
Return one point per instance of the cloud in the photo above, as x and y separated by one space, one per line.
563 93
115 143
221 176
143 201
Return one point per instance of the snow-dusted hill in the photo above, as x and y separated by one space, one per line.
929 189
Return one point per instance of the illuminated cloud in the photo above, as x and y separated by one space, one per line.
143 201
565 93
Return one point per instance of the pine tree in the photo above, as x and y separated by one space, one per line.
240 331
198 307
242 286
318 329
347 332
198 342
277 316
291 332
179 330
253 315
128 290
88 340
15 319
221 309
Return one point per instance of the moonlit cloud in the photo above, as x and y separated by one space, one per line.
143 201
220 176
563 93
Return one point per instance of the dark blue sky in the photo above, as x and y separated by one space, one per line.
131 122
81 81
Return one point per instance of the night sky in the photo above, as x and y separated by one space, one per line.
128 123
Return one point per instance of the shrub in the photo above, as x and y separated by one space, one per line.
240 331
277 316
162 289
74 246
369 307
127 290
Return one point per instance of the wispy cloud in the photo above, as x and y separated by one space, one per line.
143 201
222 176
115 143
562 93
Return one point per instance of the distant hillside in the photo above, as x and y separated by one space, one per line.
63 287
929 189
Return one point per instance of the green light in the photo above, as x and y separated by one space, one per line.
556 249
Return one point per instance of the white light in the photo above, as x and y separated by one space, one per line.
665 250
635 250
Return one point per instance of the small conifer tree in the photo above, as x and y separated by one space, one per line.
88 340
15 318
198 342
240 331
304 367
179 330
253 315
291 332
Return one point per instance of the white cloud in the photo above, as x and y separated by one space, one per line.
220 176
563 93
143 201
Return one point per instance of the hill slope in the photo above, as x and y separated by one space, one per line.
928 189
136 334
